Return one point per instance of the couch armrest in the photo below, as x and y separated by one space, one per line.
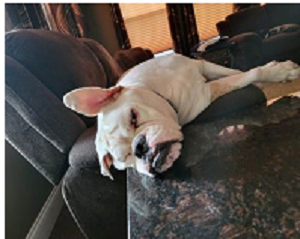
40 107
224 28
248 50
249 36
42 155
35 116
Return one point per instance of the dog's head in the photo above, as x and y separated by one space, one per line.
136 127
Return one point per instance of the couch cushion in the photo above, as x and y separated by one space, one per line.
285 28
83 152
97 203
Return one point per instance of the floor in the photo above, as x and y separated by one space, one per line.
66 228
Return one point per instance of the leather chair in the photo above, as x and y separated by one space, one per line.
263 34
40 67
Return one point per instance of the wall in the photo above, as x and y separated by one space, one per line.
100 25
25 194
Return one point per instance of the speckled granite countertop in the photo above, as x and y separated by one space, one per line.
238 177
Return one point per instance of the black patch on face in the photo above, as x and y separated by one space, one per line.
141 148
143 151
163 150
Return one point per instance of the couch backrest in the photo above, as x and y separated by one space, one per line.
259 18
279 14
62 62
252 19
59 61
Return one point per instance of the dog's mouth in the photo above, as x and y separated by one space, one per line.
159 156
155 156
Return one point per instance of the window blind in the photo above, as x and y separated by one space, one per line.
147 25
208 15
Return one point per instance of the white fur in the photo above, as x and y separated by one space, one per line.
167 92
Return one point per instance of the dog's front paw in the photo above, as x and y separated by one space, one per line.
280 71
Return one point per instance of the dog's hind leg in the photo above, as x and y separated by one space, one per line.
213 71
272 72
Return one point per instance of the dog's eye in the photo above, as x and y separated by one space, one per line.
134 118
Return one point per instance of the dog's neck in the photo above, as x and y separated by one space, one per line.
170 109
166 99
185 110
179 90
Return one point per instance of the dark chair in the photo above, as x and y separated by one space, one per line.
262 34
41 66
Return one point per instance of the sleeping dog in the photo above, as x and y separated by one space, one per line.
140 119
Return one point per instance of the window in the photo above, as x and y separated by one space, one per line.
208 15
147 25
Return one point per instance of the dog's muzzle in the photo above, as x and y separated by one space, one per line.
155 157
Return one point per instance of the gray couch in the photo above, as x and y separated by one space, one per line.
41 66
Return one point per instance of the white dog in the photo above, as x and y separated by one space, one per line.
140 119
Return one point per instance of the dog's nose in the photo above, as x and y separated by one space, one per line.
141 147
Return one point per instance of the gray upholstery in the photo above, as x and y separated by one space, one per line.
111 69
261 35
32 100
97 203
83 152
60 61
41 66
33 146
30 105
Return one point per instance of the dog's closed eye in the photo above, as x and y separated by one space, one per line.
134 118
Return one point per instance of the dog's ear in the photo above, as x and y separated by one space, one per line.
89 100
105 163
104 157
